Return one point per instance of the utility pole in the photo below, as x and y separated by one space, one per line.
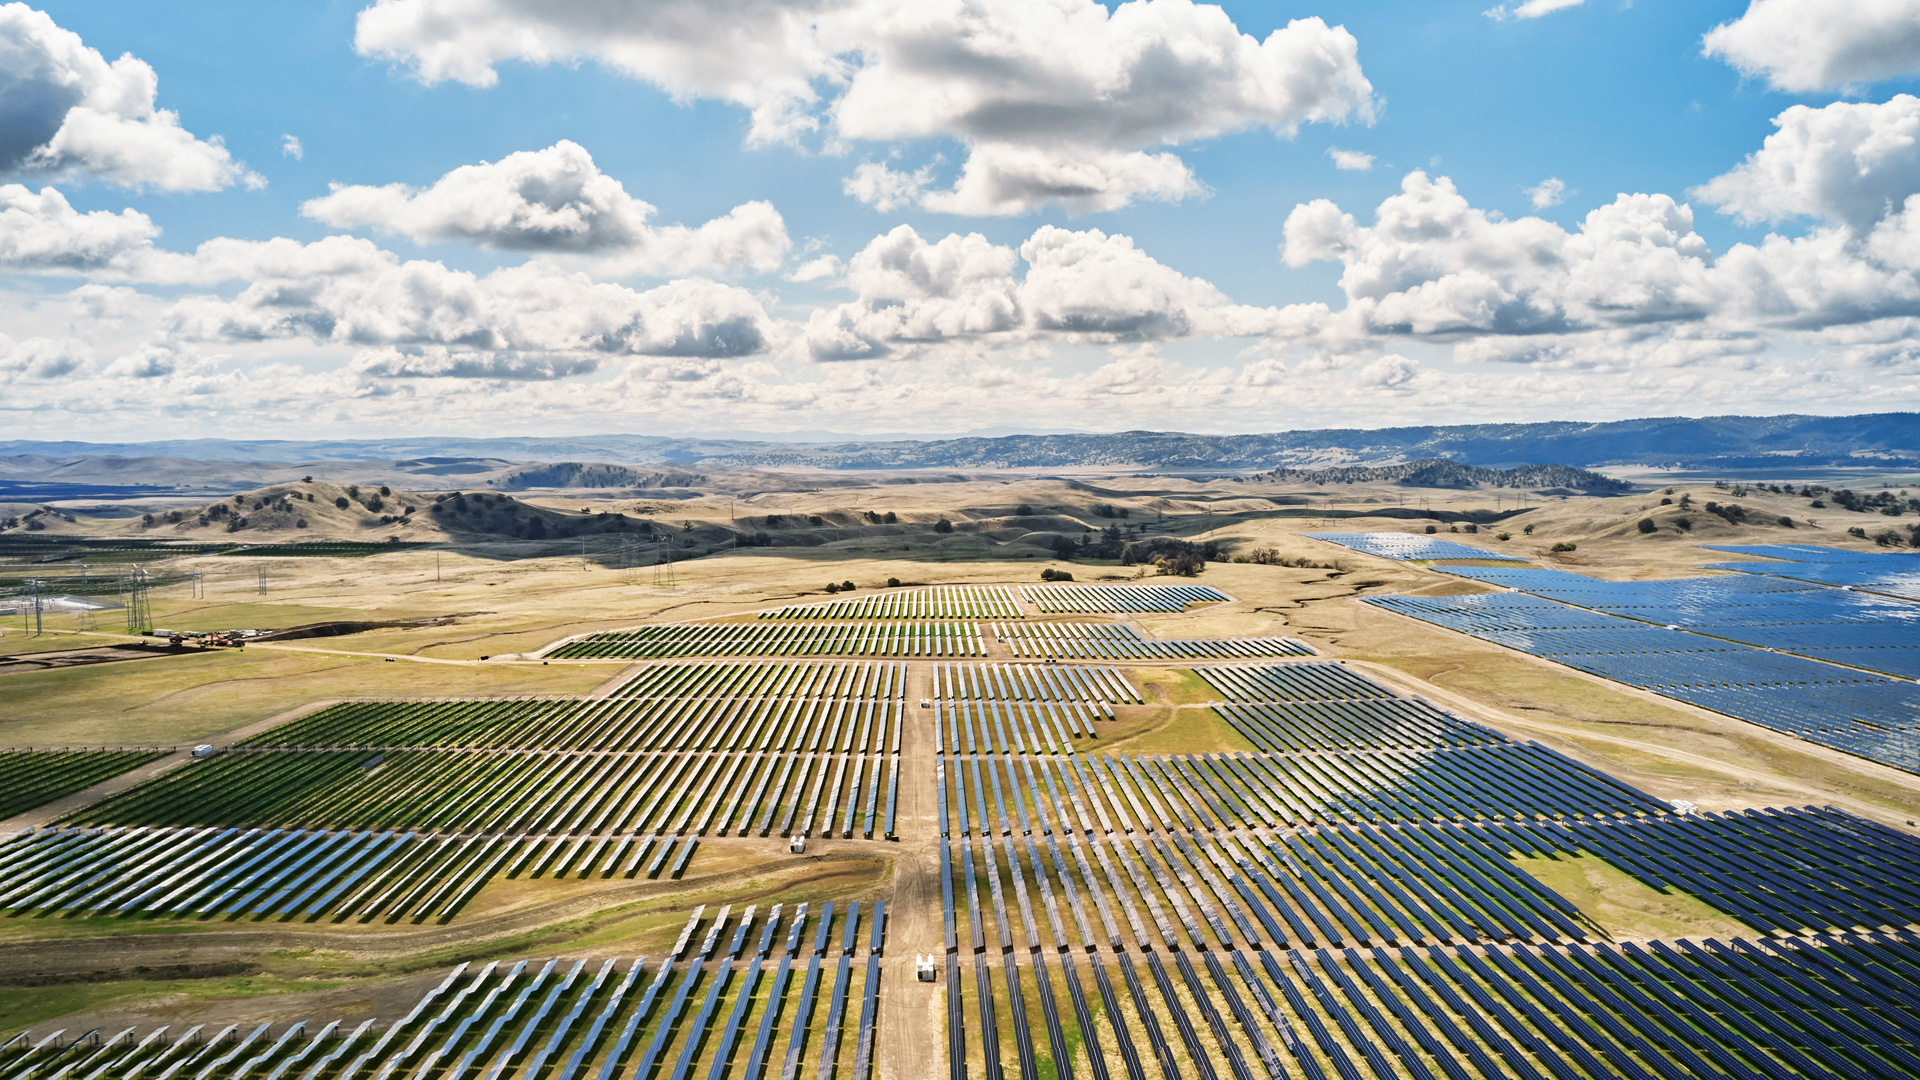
33 601
263 581
436 567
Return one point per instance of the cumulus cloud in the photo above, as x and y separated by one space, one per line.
1633 286
555 200
66 112
1806 45
40 358
1549 192
1350 160
1848 163
1057 101
1079 286
533 309
441 362
1531 9
290 147
41 232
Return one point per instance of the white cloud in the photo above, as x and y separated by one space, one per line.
290 147
1806 45
441 362
40 358
40 232
1549 192
532 309
555 200
1846 163
1079 287
1057 101
66 112
1350 160
1531 9
823 268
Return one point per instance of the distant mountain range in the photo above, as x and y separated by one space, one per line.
1436 473
1890 440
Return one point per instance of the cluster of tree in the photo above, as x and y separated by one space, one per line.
1102 510
1889 537
844 586
887 518
1050 574
1267 556
1731 513
1180 557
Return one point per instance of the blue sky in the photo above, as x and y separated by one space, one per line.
1012 232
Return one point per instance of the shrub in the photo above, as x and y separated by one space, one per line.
893 583
1786 522
1666 502
1181 565
815 519
943 526
1472 528
1431 529
1023 510
1818 504
1857 531
1565 546
1503 536
846 586
1647 526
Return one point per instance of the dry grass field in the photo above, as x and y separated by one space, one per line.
466 616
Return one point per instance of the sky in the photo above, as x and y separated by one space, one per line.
725 217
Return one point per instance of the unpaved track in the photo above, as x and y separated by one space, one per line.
908 1033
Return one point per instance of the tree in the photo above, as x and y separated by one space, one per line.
846 586
832 588
1431 529
1647 526
891 518
943 526
1786 522
893 583
1050 574
1023 510
342 502
385 490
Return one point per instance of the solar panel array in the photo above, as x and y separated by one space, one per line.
1852 628
1893 574
768 994
777 639
1857 711
1366 912
941 602
33 778
1093 599
1118 641
1409 546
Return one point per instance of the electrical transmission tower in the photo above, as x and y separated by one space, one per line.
139 610
663 570
33 604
